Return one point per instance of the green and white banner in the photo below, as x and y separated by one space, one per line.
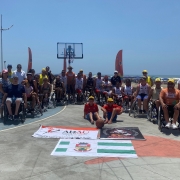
97 148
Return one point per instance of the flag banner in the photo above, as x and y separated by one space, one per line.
131 133
98 148
66 132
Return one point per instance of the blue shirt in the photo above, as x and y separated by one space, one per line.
4 83
15 90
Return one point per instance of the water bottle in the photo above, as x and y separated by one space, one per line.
13 99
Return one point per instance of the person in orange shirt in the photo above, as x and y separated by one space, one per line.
170 102
91 111
70 83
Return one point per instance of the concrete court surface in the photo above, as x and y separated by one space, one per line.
24 157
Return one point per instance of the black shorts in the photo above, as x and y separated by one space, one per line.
29 98
170 110
70 89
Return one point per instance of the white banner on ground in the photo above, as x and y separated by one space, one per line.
66 133
97 148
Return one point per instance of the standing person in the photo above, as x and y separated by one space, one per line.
115 79
110 111
91 111
98 86
70 83
79 86
32 71
42 76
90 84
64 79
50 75
4 82
10 72
20 74
84 79
149 81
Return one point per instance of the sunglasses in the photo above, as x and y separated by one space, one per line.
19 67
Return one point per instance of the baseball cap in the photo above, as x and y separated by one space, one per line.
110 100
91 97
171 80
15 76
143 77
9 65
115 71
43 69
29 73
144 71
157 80
80 70
4 71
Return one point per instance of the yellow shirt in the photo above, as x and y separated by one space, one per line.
41 77
148 80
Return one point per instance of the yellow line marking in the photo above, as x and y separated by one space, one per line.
34 121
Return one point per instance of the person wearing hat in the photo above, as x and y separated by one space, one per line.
110 111
4 82
115 79
142 92
20 73
70 83
170 102
154 93
91 111
13 94
42 76
148 78
10 72
51 77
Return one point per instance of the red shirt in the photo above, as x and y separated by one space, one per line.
110 108
88 108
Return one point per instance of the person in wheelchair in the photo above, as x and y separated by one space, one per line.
107 88
170 102
117 93
127 92
90 85
154 93
46 91
142 92
59 89
79 87
14 93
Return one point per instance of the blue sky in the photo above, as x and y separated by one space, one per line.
148 31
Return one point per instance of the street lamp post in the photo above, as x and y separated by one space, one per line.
1 42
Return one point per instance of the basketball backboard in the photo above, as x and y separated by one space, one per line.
69 50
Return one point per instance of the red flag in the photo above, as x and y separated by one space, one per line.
29 60
119 63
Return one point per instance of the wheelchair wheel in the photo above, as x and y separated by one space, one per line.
131 108
149 112
5 118
23 115
159 119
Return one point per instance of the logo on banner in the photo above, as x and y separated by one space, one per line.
75 133
83 147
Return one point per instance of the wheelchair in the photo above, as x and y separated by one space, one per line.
59 102
37 110
21 113
88 92
152 113
79 97
126 103
161 119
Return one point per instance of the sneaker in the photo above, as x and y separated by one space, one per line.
10 117
16 117
174 126
168 125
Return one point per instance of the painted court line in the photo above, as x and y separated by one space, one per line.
34 121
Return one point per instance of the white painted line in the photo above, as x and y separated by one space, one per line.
34 121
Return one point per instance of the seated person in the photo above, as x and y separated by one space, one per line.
46 90
117 93
31 96
59 88
79 86
14 93
110 111
127 91
90 84
142 92
154 93
91 111
98 85
170 101
107 87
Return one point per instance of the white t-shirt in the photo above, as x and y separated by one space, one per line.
21 75
79 83
178 82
